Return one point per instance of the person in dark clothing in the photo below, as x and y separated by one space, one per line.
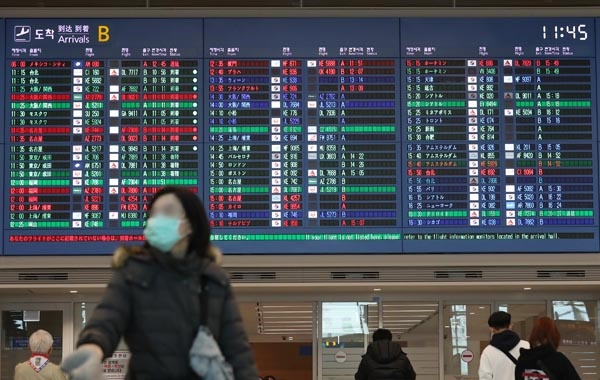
384 360
543 361
156 297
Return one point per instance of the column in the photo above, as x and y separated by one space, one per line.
242 150
89 125
440 178
43 160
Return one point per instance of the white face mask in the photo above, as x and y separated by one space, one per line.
162 232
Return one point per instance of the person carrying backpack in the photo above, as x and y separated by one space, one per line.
543 361
498 358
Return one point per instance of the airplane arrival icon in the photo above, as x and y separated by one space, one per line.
22 33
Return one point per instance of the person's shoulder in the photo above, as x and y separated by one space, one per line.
559 356
53 367
489 349
216 273
135 264
213 269
368 354
524 344
125 255
394 345
524 350
21 366
53 371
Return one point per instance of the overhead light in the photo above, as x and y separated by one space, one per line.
482 307
377 289
526 288
471 313
73 291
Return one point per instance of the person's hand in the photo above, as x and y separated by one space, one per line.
85 363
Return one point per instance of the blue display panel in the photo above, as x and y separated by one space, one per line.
500 131
304 136
103 113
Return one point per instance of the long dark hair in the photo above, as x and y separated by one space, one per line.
194 212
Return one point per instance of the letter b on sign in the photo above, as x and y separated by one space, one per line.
103 35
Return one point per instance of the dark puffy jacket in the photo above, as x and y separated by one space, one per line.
385 360
554 361
153 301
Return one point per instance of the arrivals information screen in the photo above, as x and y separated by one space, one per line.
304 136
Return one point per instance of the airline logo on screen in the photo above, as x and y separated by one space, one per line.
62 34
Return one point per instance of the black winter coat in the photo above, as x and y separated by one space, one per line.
153 301
556 362
385 360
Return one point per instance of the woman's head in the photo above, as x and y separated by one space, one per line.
40 342
184 208
544 332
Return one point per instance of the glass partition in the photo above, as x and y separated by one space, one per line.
578 325
345 333
416 326
466 334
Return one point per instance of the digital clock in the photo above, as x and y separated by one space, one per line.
567 31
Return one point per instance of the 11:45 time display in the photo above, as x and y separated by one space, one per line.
566 31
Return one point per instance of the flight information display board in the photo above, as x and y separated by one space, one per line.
499 139
304 135
102 114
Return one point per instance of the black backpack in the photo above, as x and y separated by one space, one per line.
540 373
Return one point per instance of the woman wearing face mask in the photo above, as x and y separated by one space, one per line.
154 301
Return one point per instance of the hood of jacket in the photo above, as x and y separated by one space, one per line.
384 351
191 265
505 340
537 353
123 253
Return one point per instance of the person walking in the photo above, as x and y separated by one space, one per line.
39 367
384 360
499 357
170 301
543 361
